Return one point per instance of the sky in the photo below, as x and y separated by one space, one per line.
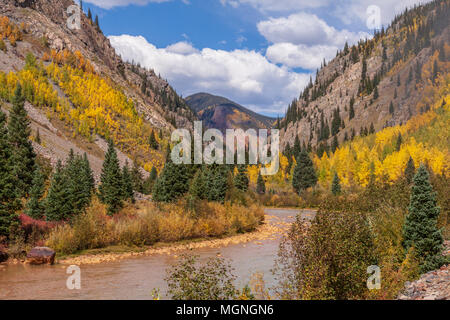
258 53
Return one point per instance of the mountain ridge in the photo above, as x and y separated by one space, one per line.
221 113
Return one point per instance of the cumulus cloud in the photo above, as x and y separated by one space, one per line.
307 29
300 56
356 10
304 40
241 75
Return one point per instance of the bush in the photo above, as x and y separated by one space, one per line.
213 280
156 223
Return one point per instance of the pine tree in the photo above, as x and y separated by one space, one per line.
304 175
80 182
391 108
372 128
147 186
260 185
241 179
420 229
198 186
58 204
152 141
398 143
172 183
110 189
8 196
410 170
35 207
334 144
351 112
336 185
89 14
217 183
375 93
23 156
97 24
297 148
127 183
136 178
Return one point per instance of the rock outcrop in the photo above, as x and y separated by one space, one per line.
41 255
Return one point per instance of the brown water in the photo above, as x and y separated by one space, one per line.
135 278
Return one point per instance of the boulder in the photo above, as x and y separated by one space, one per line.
41 255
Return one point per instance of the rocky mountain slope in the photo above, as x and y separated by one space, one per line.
377 83
40 27
221 113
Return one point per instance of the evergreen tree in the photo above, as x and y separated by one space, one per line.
375 93
398 143
147 186
372 128
8 196
420 229
152 141
89 14
351 112
241 179
198 186
217 183
410 170
110 189
304 175
136 178
260 185
391 108
58 202
35 207
97 24
127 184
334 144
172 183
336 185
297 148
80 182
23 156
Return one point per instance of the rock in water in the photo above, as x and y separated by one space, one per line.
41 255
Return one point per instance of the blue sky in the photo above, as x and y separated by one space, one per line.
259 53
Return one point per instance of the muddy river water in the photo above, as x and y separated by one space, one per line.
135 278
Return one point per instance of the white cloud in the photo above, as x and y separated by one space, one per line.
241 75
306 29
108 4
277 5
304 40
181 47
356 10
302 56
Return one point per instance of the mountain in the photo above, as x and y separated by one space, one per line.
380 82
221 113
79 92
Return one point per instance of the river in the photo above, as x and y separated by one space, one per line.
134 278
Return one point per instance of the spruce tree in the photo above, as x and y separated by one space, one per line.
58 204
110 189
391 108
260 185
8 199
217 183
147 186
297 148
172 183
410 170
334 144
127 183
136 178
336 185
420 229
79 182
241 179
398 143
304 175
152 141
198 186
35 206
23 156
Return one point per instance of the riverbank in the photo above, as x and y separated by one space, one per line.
271 229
